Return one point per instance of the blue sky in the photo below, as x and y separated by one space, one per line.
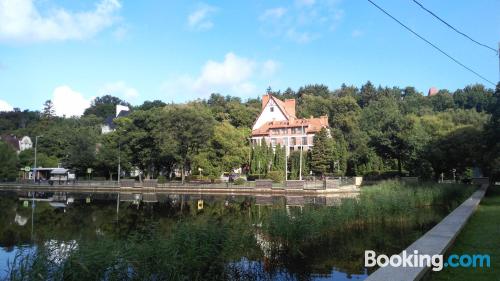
72 51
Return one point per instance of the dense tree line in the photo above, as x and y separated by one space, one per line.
373 131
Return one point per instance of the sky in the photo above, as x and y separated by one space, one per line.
175 51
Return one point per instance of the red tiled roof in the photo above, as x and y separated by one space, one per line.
12 140
312 125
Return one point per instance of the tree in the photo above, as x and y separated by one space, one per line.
491 159
414 102
142 134
442 101
261 159
314 90
110 153
458 150
390 131
48 109
81 150
8 162
189 127
227 150
147 105
104 106
322 153
367 94
294 164
278 162
27 158
314 106
473 97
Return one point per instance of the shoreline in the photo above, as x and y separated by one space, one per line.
186 190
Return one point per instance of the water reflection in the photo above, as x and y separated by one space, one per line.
62 221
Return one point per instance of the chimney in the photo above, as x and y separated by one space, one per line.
265 99
290 106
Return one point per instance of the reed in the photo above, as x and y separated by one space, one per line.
390 203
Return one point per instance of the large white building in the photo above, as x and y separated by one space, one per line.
278 124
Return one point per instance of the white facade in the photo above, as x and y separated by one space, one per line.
105 129
25 143
271 112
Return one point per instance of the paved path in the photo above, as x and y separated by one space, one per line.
435 241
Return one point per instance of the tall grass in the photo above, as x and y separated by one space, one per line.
388 203
193 251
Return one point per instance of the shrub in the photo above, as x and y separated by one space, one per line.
162 179
239 181
253 177
275 176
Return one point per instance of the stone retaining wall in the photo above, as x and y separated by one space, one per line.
294 184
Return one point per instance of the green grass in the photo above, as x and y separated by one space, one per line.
481 235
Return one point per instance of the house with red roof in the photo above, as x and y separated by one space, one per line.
278 124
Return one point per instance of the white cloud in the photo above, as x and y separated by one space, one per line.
234 75
22 21
68 102
200 19
269 67
300 36
357 33
302 21
120 33
304 2
275 13
4 106
119 88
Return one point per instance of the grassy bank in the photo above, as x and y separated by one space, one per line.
481 235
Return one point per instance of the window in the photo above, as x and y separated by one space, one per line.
273 142
304 140
271 108
285 141
293 141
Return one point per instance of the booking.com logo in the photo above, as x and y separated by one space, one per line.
423 260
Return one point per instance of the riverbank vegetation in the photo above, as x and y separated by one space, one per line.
376 131
241 240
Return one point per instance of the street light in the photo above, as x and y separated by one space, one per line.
34 168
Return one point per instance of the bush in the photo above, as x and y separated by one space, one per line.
275 176
162 179
239 181
253 177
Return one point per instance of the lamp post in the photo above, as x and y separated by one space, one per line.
34 168
119 160
301 150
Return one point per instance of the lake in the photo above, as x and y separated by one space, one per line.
224 237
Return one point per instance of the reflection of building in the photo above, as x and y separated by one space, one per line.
278 124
